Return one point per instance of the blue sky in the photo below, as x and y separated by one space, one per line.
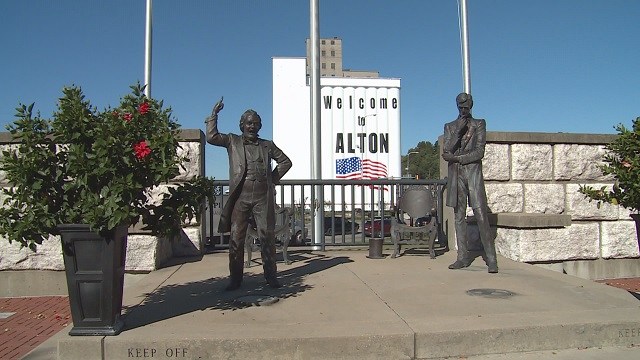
540 66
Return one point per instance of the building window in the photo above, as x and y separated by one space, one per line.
333 42
333 66
324 53
324 65
333 53
322 42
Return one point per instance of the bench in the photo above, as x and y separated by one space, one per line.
282 234
417 201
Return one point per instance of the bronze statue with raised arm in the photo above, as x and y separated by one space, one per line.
251 191
463 149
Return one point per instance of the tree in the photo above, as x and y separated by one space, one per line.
622 161
425 164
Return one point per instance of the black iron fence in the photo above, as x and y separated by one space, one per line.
350 211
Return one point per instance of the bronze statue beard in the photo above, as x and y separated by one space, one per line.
250 135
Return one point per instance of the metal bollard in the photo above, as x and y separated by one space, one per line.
375 248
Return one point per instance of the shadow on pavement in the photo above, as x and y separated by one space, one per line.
174 300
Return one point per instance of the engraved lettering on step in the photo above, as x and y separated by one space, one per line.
141 352
176 352
627 333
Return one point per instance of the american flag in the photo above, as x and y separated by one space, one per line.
356 168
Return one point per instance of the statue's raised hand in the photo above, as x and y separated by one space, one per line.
217 107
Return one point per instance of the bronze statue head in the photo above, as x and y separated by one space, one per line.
250 124
465 103
464 99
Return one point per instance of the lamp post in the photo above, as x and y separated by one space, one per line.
362 123
409 157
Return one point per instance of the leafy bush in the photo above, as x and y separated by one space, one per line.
623 162
95 167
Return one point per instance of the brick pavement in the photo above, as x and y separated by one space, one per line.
629 284
38 318
35 319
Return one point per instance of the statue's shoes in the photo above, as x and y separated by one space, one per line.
233 285
459 265
493 268
273 283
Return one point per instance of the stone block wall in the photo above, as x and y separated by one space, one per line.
537 175
144 251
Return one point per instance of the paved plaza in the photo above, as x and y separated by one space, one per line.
342 305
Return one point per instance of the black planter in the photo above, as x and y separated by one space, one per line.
94 266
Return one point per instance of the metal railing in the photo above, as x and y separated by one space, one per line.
345 208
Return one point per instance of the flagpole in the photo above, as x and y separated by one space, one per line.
316 146
464 39
147 51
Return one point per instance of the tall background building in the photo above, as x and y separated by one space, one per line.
331 61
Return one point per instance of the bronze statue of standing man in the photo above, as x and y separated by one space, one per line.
464 143
251 191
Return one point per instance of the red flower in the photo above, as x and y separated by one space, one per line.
141 149
127 117
143 108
